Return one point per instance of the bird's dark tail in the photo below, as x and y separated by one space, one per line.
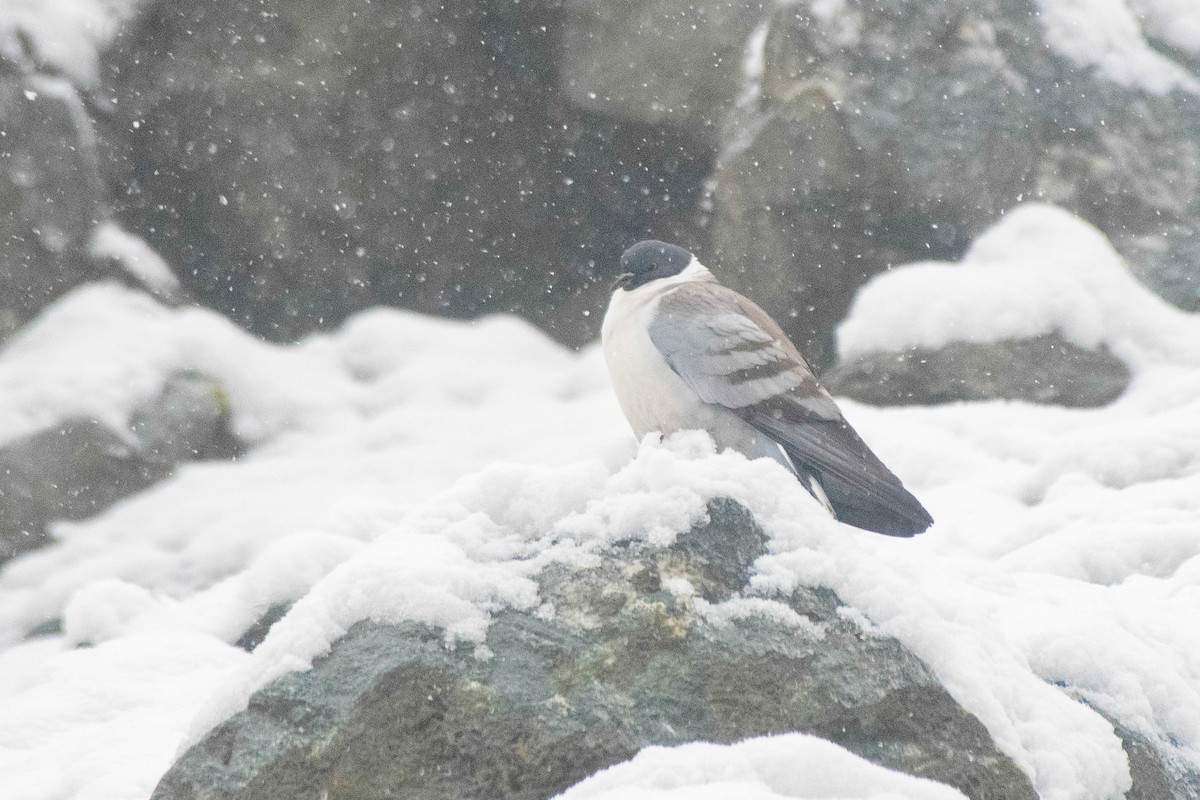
897 514
862 491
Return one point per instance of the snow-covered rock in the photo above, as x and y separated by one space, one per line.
874 134
1041 308
1039 271
635 645
77 467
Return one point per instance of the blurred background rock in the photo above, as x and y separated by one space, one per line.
294 161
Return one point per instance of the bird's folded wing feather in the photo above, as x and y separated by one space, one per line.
731 353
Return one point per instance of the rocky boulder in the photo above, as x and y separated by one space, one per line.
620 657
662 62
1156 775
81 467
789 229
297 161
1047 369
50 189
54 206
883 133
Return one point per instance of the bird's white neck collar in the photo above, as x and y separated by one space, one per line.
694 271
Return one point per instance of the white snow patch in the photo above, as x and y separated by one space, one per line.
753 64
840 23
1109 35
730 612
138 259
1176 22
100 723
1039 270
350 430
791 766
67 34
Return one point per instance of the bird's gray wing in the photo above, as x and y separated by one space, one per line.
732 354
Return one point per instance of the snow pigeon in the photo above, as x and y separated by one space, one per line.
686 352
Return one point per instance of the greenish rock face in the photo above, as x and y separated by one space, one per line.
1047 369
622 663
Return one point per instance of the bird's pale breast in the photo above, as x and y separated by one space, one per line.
652 396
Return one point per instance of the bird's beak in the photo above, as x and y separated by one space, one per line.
621 280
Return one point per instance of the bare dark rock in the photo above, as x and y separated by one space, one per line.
669 63
1156 770
295 162
253 636
81 467
187 421
789 228
55 210
69 472
1047 369
50 189
298 161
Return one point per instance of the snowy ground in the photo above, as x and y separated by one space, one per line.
410 468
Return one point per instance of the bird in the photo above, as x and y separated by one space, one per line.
685 352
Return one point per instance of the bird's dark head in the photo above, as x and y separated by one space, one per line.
650 260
